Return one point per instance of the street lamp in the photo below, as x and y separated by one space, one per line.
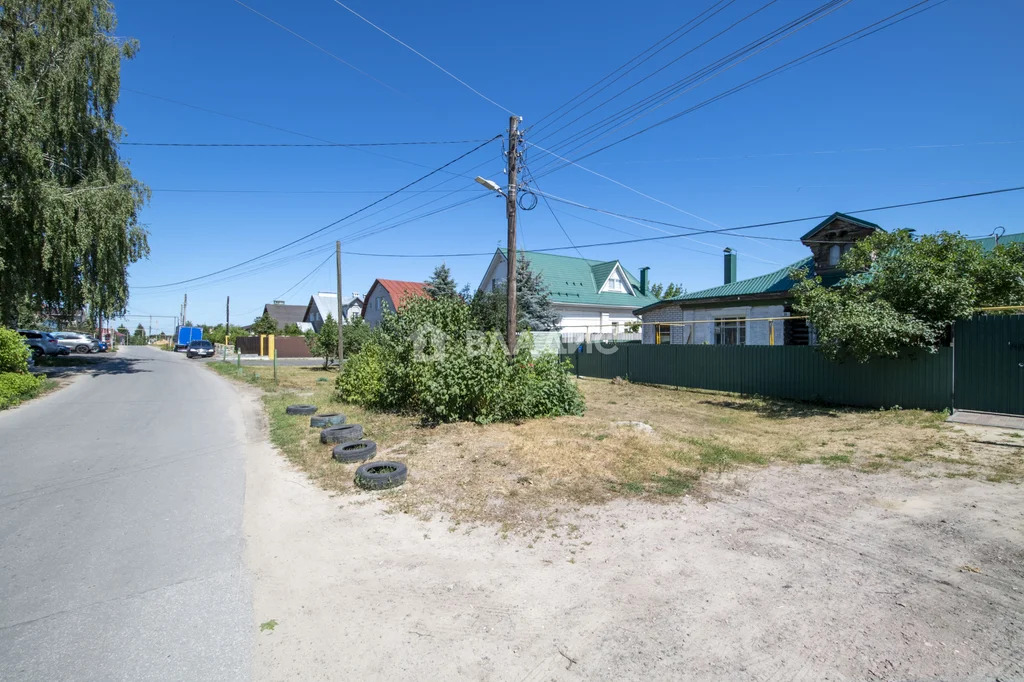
490 184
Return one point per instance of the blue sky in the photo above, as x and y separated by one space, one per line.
928 108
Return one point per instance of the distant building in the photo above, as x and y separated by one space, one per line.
389 294
284 314
593 298
324 302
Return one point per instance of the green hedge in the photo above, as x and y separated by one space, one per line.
429 359
13 351
15 387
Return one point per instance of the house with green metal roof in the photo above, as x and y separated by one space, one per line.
591 296
755 311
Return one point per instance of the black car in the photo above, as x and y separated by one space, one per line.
199 349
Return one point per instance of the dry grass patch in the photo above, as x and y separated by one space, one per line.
520 475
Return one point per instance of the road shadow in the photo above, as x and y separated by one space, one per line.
70 365
776 409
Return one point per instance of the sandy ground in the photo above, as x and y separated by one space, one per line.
796 573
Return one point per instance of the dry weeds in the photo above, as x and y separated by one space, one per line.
523 475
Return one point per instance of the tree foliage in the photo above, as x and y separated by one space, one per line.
430 359
534 310
324 344
441 284
264 324
14 352
139 336
354 335
671 290
904 292
68 204
217 334
292 329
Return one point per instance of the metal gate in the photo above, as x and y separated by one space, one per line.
988 364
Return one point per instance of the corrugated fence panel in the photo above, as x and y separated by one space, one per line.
990 364
794 372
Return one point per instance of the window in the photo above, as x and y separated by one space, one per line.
615 283
662 334
833 254
730 331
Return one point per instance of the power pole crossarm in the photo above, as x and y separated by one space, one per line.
510 211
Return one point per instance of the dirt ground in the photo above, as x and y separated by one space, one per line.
787 572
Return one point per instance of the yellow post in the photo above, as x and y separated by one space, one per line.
771 332
263 340
270 346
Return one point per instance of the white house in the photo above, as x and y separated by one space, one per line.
388 294
591 297
324 302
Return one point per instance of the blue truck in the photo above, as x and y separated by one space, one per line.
186 335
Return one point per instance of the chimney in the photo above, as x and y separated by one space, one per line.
730 266
643 280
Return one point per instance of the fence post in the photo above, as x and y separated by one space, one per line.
275 363
270 346
238 360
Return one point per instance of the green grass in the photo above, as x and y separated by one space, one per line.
835 459
675 482
12 393
720 456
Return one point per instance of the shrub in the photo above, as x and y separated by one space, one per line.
429 359
13 351
16 386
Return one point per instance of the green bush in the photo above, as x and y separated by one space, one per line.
16 386
429 359
13 351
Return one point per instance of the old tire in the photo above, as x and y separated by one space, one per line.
381 475
324 421
300 409
354 451
82 349
341 434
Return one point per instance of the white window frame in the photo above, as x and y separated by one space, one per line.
735 324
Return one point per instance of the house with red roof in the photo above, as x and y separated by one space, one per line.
389 294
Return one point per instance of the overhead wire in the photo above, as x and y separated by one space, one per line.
318 47
295 144
697 78
539 124
329 225
424 57
821 51
311 273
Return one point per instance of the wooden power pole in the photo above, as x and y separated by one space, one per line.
510 212
341 342
227 317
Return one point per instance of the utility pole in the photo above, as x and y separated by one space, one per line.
150 328
184 310
227 318
510 212
341 343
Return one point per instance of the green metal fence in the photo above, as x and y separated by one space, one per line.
990 364
924 380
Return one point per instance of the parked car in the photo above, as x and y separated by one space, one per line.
41 343
76 341
199 349
101 346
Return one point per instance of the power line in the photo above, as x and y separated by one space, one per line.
724 230
553 214
325 227
539 125
268 126
322 49
294 144
311 273
849 39
425 58
300 191
704 74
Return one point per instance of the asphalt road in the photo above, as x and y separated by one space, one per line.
121 546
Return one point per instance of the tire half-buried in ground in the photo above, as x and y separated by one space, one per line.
323 421
381 475
300 409
354 451
341 434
